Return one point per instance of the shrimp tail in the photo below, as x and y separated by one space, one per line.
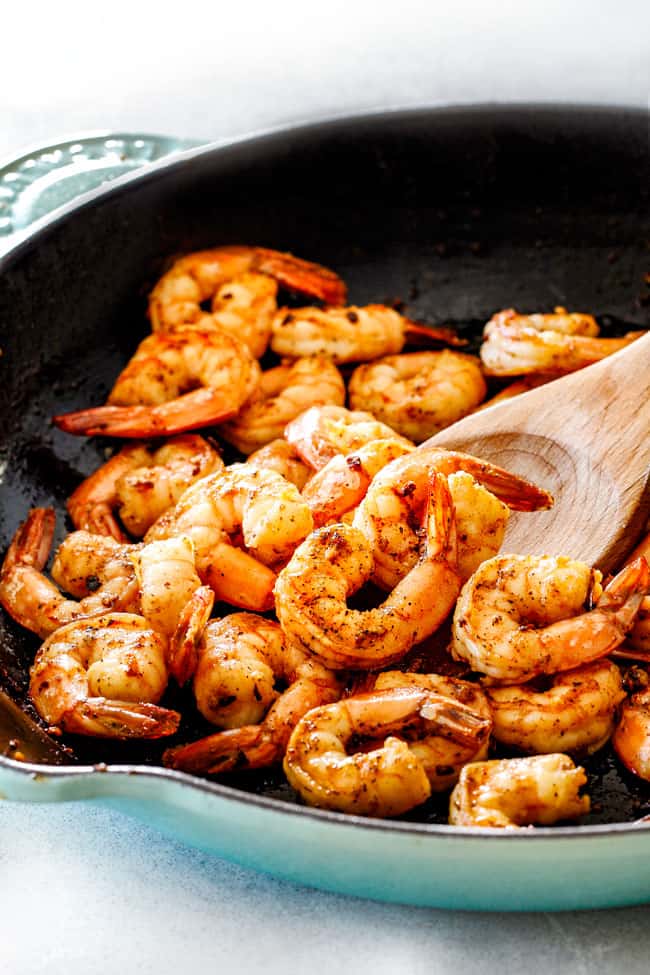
199 408
184 644
225 751
418 333
32 542
625 593
119 719
440 522
455 721
303 276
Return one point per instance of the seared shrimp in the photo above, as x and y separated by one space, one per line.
323 432
241 503
347 334
335 561
517 792
283 394
176 381
239 660
139 483
342 484
235 275
392 509
388 780
576 713
103 676
442 757
515 344
281 457
524 615
632 735
109 581
419 393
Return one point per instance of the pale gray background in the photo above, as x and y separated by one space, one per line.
83 889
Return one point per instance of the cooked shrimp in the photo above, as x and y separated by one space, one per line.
441 757
576 713
347 334
561 342
388 780
392 509
342 484
281 457
36 603
632 735
240 503
239 660
103 676
419 393
283 394
244 308
177 297
139 483
322 432
639 637
176 381
524 615
517 792
335 561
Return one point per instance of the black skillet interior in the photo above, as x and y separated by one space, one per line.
455 212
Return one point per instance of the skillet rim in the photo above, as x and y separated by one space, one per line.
29 238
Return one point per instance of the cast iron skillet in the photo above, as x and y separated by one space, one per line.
455 212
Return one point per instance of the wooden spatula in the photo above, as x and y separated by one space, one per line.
586 439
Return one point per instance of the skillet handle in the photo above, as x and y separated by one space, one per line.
47 178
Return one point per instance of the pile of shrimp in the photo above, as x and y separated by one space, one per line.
452 651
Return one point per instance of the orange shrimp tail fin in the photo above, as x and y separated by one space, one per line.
239 579
303 276
440 522
119 719
627 590
185 642
455 721
225 751
32 542
420 334
200 408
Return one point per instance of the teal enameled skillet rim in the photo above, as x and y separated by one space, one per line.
401 160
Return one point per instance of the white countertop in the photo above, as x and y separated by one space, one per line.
84 889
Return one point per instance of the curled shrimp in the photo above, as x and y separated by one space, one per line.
323 432
522 615
235 275
390 779
239 660
560 342
335 561
631 738
283 393
239 505
342 484
443 757
139 483
576 713
281 457
105 577
103 676
419 393
175 381
513 792
391 512
350 334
